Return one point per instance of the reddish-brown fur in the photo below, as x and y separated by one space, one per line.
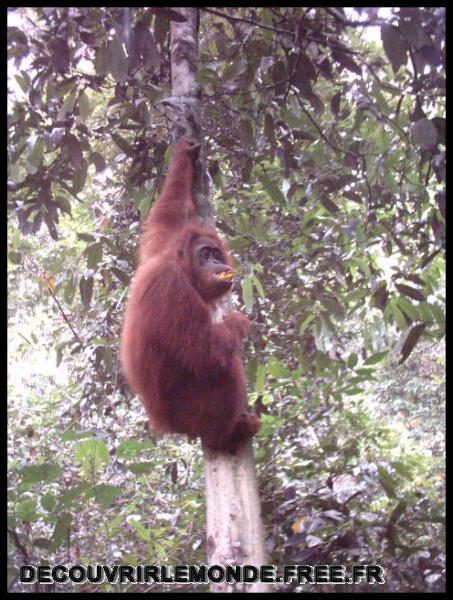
187 369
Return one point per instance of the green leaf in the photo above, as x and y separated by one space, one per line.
395 46
26 510
353 391
277 369
140 468
94 254
260 378
35 154
131 448
48 502
84 106
24 81
234 68
93 454
305 323
86 290
71 435
258 286
425 312
375 358
67 107
272 189
59 357
360 234
144 206
398 315
44 473
387 482
105 494
353 359
15 257
143 533
61 532
403 469
247 292
73 493
70 289
365 374
408 309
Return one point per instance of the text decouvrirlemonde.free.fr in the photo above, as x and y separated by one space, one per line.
201 574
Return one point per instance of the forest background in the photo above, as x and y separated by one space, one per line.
324 130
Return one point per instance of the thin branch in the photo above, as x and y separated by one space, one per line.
280 31
25 556
218 13
323 136
250 91
60 308
50 289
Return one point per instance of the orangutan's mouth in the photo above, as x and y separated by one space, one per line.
225 275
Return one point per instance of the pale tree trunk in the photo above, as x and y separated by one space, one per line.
234 526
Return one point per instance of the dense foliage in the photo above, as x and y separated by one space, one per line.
324 131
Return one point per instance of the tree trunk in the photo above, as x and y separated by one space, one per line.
234 526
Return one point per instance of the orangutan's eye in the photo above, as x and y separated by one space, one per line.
205 253
217 255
